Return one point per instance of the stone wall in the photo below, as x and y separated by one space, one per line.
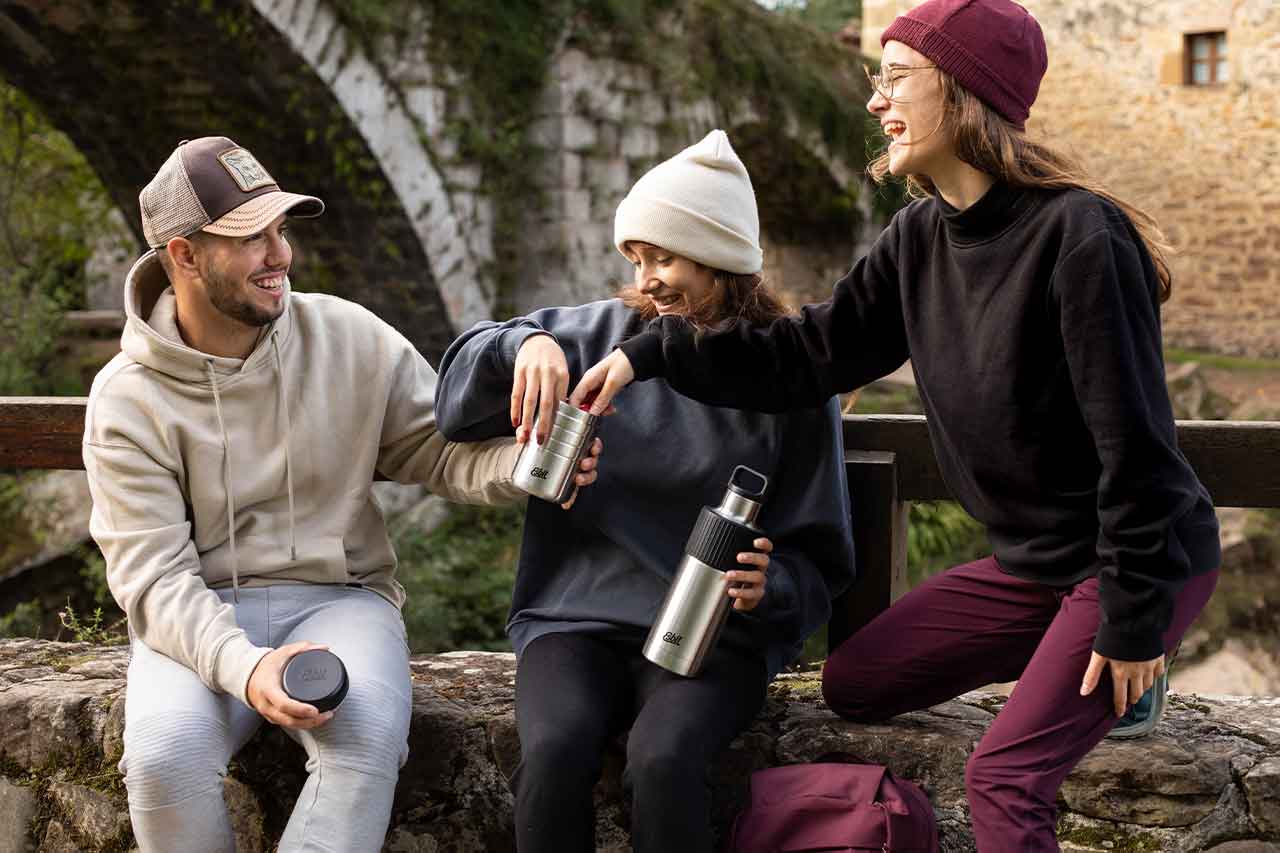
1201 159
602 124
1207 780
442 208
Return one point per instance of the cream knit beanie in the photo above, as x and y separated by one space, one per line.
699 204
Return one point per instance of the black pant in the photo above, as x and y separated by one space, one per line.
574 692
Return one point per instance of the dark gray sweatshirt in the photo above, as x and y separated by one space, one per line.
605 565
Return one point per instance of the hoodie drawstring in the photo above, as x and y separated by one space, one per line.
288 439
226 482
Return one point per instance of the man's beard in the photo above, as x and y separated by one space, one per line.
224 294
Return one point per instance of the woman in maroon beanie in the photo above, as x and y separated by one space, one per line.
1028 300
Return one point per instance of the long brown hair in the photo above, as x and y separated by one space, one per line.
989 143
734 297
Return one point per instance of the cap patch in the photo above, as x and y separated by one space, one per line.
245 169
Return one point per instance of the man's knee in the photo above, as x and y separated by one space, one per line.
171 758
369 731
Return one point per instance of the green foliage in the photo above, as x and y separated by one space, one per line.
94 575
781 66
829 16
53 209
941 535
458 579
1223 362
23 621
884 398
90 629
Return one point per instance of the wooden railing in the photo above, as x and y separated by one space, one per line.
889 463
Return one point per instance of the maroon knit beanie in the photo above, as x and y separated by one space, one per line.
993 48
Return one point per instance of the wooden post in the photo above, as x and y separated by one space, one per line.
880 543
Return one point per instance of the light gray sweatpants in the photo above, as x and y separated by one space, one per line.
179 735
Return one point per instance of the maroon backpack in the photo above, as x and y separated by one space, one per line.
833 807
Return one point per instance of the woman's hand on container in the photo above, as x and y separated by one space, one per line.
602 382
1129 679
541 380
587 471
750 583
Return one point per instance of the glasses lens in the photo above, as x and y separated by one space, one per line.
875 78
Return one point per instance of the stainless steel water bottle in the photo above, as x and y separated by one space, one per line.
547 470
698 601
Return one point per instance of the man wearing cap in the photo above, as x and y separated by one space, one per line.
230 449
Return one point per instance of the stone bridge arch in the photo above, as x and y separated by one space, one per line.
127 79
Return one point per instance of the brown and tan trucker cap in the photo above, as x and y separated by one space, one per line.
214 185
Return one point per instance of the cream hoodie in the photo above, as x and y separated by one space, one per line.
211 472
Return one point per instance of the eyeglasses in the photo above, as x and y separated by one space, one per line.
883 81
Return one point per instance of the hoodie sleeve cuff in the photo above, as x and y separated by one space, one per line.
1128 645
234 664
513 339
644 351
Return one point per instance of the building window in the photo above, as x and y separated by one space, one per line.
1206 55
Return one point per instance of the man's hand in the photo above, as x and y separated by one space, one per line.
606 379
749 587
587 472
1129 679
541 378
266 691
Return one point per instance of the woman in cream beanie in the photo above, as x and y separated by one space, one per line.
699 204
590 581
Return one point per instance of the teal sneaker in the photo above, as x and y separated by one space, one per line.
1143 716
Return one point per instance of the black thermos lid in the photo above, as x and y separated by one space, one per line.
316 677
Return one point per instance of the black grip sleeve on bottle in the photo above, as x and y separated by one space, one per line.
717 541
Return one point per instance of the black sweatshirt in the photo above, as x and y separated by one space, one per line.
1033 326
605 565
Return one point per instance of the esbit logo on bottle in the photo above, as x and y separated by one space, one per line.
672 637
540 473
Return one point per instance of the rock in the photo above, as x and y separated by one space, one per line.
246 816
91 813
1156 781
1262 786
18 808
1235 669
421 518
58 839
1206 780
56 507
395 498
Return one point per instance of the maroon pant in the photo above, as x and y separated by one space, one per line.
974 625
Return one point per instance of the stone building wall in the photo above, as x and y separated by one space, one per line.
1202 160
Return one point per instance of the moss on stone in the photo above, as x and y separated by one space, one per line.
1115 840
